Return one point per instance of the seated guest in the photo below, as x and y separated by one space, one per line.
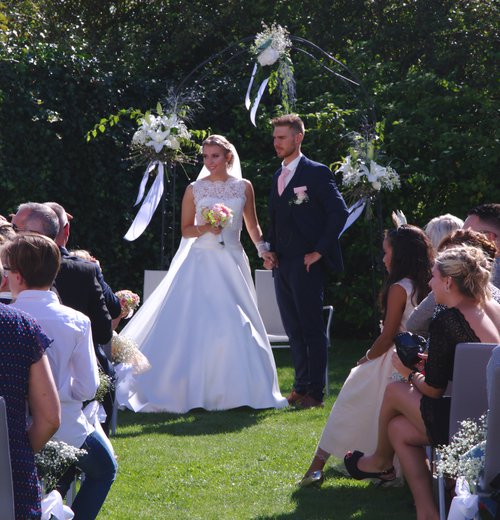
76 281
71 298
25 375
408 259
486 220
421 317
414 412
34 261
6 233
440 227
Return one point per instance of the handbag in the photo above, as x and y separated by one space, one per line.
408 347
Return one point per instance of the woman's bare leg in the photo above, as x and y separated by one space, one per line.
409 442
319 461
400 398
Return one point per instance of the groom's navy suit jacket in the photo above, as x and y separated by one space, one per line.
297 229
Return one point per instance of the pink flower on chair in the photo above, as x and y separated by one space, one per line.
300 195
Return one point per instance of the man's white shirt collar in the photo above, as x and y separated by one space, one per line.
292 166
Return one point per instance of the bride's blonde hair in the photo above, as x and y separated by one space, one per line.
222 142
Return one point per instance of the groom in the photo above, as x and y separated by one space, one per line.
307 213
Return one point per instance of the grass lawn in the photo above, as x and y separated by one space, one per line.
240 464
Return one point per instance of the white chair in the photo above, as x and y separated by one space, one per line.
6 486
151 281
269 311
469 398
492 462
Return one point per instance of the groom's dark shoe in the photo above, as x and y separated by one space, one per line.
295 398
309 402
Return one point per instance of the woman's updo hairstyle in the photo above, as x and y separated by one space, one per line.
470 269
468 237
222 142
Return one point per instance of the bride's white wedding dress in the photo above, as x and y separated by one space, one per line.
201 330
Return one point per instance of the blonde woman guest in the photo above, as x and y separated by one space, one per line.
421 317
440 227
415 413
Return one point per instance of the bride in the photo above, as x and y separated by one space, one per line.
200 329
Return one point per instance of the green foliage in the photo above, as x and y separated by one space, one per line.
428 69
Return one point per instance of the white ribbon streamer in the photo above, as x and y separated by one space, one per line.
354 212
258 97
151 166
53 507
464 505
149 205
247 96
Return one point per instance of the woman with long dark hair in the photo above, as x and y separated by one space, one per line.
354 417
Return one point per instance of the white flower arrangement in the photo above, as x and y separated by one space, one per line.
53 460
271 44
162 137
362 176
105 385
465 455
125 350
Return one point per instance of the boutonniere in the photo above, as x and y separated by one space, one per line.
300 195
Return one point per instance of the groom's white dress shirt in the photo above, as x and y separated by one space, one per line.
292 166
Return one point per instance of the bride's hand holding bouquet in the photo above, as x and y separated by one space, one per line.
217 217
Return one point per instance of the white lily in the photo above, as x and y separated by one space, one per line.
158 140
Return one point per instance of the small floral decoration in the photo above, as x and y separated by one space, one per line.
362 176
125 350
53 460
465 455
301 195
106 384
129 301
273 45
218 215
162 137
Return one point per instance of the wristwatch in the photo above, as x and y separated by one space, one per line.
410 376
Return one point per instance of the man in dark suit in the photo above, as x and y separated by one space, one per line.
76 282
307 213
64 285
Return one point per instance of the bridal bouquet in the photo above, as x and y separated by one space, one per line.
362 176
53 460
218 216
129 301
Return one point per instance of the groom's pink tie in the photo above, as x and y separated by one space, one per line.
285 172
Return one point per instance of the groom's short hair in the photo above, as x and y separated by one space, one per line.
291 120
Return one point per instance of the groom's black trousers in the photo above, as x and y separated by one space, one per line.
300 300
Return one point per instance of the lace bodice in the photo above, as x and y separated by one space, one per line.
231 193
